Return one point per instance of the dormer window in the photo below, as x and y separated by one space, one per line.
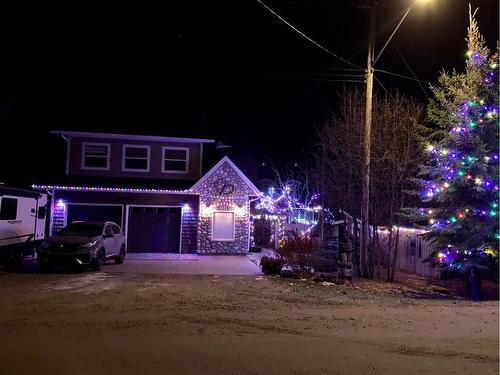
175 159
136 158
95 155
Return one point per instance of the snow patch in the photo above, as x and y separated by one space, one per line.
86 284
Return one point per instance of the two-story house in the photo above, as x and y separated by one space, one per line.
154 188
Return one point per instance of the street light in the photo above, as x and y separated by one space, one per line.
371 61
397 27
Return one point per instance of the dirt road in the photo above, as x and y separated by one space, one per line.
99 323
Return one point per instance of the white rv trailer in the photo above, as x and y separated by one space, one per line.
23 217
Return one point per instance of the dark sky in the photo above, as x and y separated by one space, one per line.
228 70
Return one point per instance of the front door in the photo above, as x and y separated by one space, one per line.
153 229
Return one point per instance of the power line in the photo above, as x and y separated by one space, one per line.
392 34
344 69
400 75
381 85
358 69
312 76
412 73
311 79
308 38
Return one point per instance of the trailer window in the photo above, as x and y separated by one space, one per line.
8 209
42 212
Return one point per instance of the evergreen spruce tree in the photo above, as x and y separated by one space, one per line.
462 188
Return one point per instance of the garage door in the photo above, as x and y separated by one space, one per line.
153 229
87 212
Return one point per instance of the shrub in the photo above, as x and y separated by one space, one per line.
270 265
255 249
322 263
298 253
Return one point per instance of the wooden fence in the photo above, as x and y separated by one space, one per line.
412 250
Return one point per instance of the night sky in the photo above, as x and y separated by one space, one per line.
228 70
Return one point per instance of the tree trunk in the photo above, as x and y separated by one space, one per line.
371 259
376 241
356 246
389 254
394 257
475 285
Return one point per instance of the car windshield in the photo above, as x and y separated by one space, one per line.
82 229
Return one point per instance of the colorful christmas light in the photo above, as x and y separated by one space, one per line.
465 164
109 189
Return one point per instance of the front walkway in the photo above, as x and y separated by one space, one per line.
188 264
161 256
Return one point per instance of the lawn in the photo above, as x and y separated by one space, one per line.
105 323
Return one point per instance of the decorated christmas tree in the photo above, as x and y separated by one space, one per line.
461 189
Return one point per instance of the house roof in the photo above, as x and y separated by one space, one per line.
131 137
238 171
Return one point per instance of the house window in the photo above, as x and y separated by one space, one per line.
8 209
135 158
95 156
175 159
223 226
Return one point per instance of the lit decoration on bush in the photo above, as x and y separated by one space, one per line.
283 207
462 190
285 203
240 210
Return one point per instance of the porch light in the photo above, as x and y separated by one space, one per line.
206 210
240 210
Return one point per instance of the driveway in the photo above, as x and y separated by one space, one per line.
188 264
183 264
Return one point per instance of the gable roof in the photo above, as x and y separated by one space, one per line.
238 171
130 137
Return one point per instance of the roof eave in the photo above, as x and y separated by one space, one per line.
131 137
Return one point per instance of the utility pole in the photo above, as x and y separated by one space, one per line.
365 205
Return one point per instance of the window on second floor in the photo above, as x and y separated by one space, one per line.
95 155
175 159
136 158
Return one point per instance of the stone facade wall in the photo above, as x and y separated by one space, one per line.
224 190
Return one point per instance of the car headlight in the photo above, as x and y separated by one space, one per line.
90 244
44 245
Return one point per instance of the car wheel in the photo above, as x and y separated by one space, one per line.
98 261
121 258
